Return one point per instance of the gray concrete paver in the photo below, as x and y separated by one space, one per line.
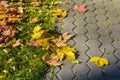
95 30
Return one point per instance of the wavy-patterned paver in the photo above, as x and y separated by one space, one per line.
96 30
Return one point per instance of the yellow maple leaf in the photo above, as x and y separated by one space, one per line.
59 13
66 51
44 43
37 32
99 61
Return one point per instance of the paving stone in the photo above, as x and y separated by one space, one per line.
108 48
111 58
83 57
81 48
69 31
81 69
79 16
101 17
68 26
92 52
68 20
117 54
102 24
111 14
65 74
95 72
112 78
90 8
71 42
116 44
80 23
113 20
93 43
92 27
80 78
103 31
91 20
118 64
90 14
99 5
80 30
112 70
115 35
80 38
99 11
115 28
105 39
67 64
88 2
92 34
79 2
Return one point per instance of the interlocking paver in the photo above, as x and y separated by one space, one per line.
80 30
108 48
101 17
80 78
96 30
90 14
65 74
91 20
83 57
105 39
112 59
92 34
116 44
93 43
112 70
113 78
92 27
81 69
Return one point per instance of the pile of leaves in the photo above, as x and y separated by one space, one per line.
28 43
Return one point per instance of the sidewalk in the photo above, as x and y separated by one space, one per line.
95 30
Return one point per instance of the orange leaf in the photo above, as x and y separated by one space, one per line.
81 8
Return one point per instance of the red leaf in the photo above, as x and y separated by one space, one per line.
33 43
81 8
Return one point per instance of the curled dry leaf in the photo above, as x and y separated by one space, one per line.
52 60
81 8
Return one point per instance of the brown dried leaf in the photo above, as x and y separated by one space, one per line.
66 36
52 60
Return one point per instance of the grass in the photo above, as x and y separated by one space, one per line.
25 62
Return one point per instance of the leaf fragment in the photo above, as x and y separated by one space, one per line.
99 61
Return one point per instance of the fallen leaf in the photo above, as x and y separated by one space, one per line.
59 42
81 8
20 10
4 4
99 61
17 43
34 20
52 60
66 36
59 13
66 51
33 43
